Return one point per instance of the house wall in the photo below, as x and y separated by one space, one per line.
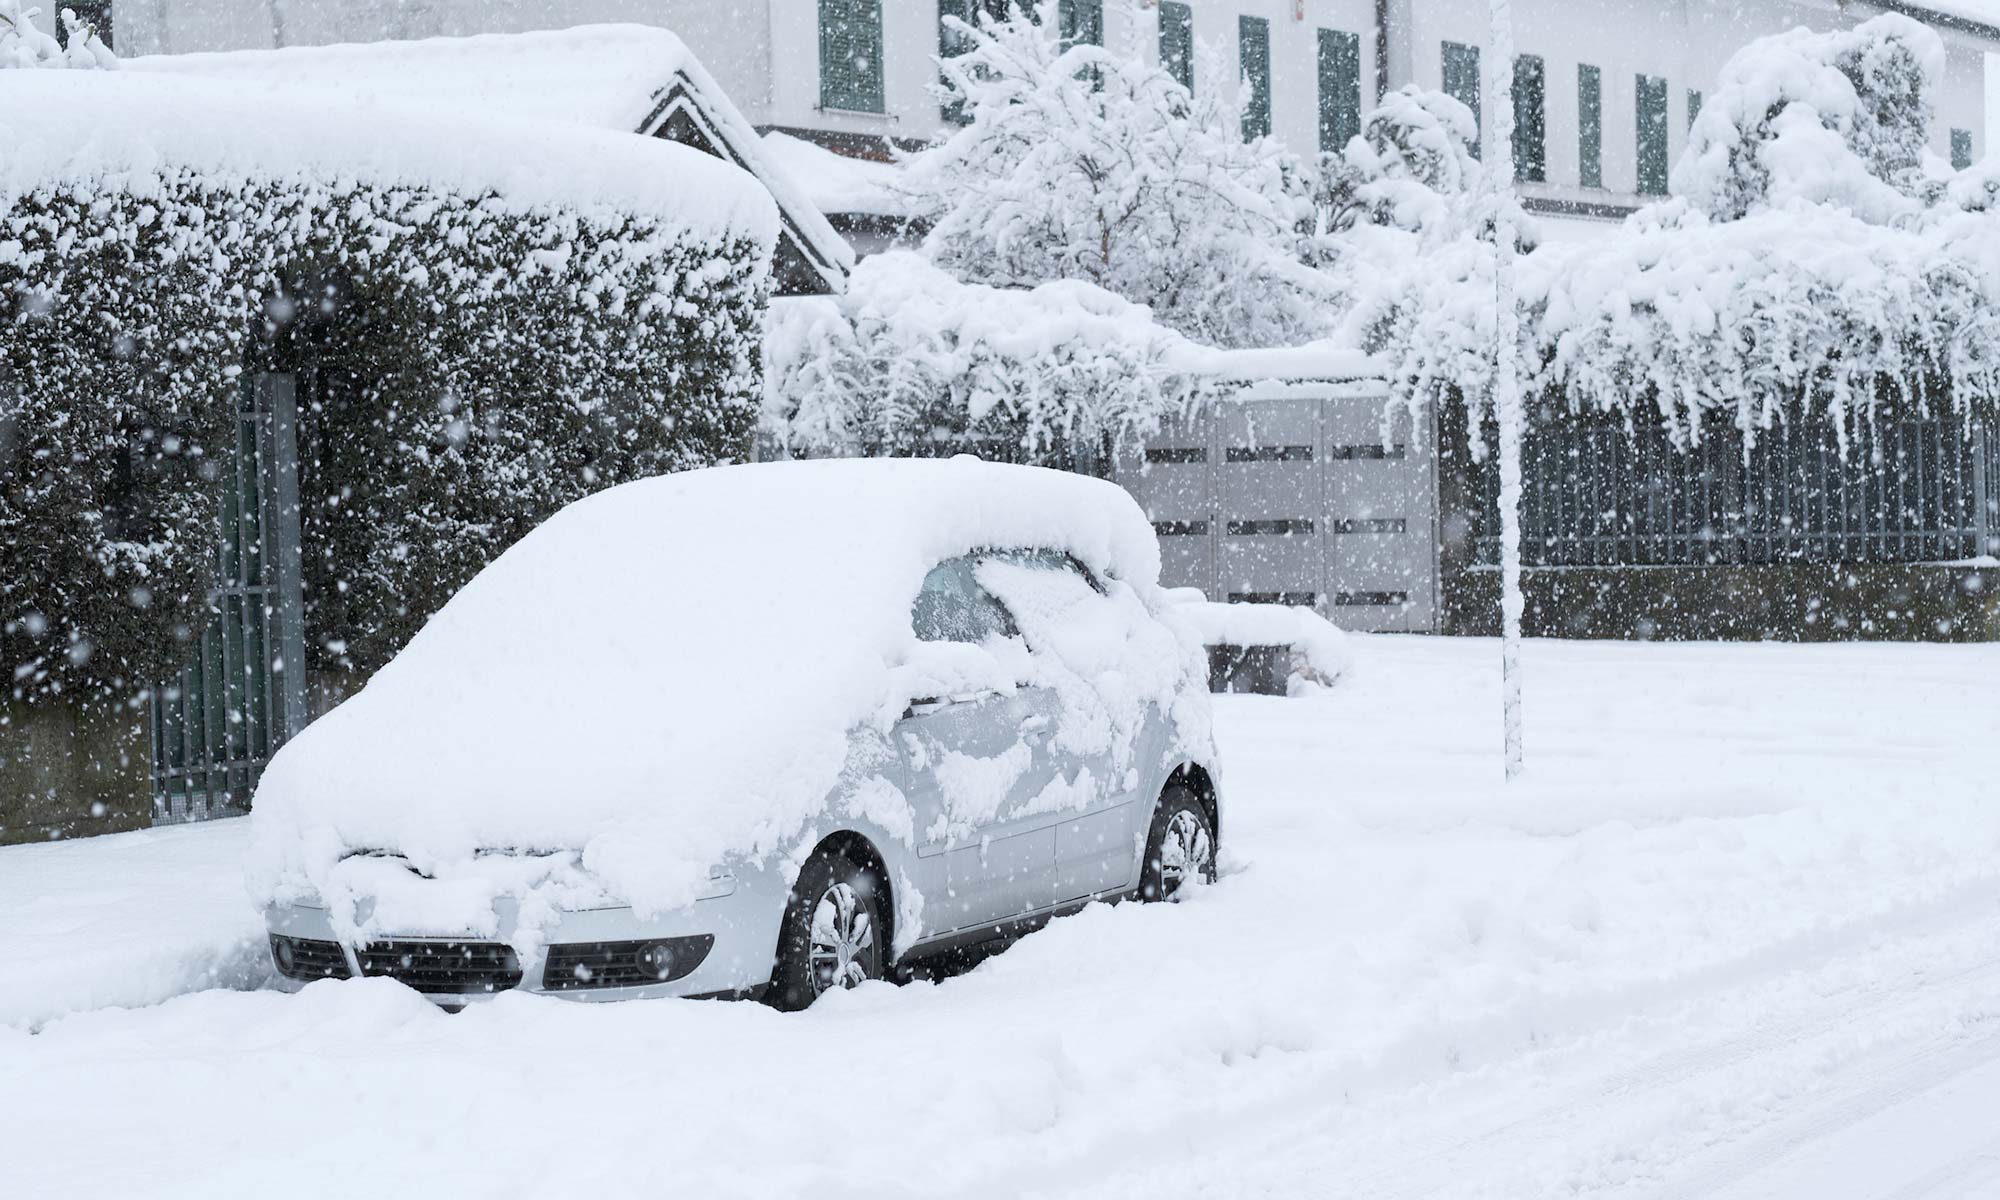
766 54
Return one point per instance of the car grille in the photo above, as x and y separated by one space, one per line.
444 967
622 964
310 959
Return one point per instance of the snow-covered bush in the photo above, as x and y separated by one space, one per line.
23 45
1081 162
914 362
1817 267
469 363
1410 164
1840 118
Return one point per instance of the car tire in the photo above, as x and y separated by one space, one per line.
1181 834
833 933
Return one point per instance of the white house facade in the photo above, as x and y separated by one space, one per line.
1615 82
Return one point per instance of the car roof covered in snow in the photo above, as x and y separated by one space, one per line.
669 672
617 78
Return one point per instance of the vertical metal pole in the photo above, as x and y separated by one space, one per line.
1507 380
284 619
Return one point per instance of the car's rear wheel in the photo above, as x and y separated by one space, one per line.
833 936
1180 847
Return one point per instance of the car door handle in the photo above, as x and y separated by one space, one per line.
1035 728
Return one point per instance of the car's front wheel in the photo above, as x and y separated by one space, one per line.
1179 848
833 936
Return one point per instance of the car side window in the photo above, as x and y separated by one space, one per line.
952 607
1044 560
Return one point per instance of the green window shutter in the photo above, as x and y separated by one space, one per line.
1590 126
951 44
1694 106
1961 149
1652 135
1080 21
850 55
1177 42
1339 89
1253 50
1531 147
1461 83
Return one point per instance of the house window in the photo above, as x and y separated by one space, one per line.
1080 21
1590 126
1339 89
1694 106
1961 149
1253 49
850 55
1461 83
1531 148
1177 42
1652 135
952 42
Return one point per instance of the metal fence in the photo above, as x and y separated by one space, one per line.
242 693
1595 494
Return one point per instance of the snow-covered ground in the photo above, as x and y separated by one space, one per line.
1736 936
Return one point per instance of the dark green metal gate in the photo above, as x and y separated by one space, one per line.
242 694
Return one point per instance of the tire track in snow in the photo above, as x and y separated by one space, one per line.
1308 1125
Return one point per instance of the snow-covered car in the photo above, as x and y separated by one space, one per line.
754 730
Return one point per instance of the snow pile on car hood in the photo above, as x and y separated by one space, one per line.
667 677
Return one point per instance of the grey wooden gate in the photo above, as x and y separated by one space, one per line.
242 693
1296 495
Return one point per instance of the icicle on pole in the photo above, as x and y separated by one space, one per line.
1507 379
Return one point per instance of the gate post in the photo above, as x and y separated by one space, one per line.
277 406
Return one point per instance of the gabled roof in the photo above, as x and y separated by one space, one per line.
629 78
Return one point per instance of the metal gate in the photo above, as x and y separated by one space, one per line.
242 693
1298 496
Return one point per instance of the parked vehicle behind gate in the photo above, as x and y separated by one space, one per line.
765 730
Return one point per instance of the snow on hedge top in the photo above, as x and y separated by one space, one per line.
665 676
606 77
136 125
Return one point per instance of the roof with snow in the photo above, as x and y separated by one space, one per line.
620 78
95 125
1980 17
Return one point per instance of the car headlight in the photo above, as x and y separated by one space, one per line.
720 883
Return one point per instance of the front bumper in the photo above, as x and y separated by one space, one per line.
585 955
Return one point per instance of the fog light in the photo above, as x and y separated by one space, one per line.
281 950
655 959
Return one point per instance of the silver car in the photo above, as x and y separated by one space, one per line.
867 901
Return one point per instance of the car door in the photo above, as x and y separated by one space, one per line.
975 765
1070 623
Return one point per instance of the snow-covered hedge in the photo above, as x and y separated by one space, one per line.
1822 264
490 348
910 361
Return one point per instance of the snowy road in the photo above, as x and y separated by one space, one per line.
1737 936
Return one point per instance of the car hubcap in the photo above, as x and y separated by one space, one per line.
1187 851
843 939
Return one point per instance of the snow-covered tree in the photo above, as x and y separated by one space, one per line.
1410 165
1840 118
23 45
1079 162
